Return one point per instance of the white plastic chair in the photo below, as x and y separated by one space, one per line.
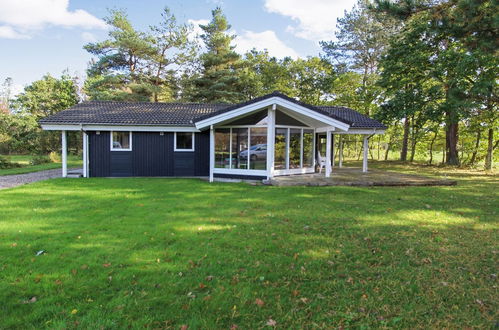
321 161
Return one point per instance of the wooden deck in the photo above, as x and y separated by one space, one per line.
348 176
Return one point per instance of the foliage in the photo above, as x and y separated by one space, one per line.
138 66
19 132
40 159
164 253
458 58
6 163
218 79
47 96
54 157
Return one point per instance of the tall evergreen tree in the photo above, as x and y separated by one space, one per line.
138 66
218 80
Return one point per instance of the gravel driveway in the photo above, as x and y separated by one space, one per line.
9 181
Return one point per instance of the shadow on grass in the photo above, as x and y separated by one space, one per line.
160 253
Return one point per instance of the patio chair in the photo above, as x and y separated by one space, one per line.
321 161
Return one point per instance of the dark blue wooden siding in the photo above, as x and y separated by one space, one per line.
152 155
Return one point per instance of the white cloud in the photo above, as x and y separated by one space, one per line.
88 37
197 31
8 32
26 16
264 40
316 18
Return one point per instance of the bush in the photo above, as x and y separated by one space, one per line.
6 163
39 159
55 157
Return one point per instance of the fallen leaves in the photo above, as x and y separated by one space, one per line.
106 265
74 311
259 302
30 300
271 323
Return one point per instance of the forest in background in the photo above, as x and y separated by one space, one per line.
427 69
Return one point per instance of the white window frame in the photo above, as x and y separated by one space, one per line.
121 149
183 150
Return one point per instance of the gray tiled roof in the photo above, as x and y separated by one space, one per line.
358 120
133 113
181 114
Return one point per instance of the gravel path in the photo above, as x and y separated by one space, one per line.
9 181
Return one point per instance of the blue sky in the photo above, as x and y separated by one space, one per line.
47 36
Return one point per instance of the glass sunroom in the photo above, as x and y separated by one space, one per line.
276 135
264 144
241 146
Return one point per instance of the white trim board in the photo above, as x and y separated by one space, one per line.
223 117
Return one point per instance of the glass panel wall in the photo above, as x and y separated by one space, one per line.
294 147
308 148
239 148
258 149
280 148
245 148
222 147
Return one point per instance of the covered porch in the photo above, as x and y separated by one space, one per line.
277 138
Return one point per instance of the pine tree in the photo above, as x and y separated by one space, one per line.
218 81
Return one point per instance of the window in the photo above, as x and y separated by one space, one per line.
308 148
240 148
184 141
222 148
258 150
121 141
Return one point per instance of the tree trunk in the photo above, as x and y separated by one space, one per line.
451 139
403 152
431 147
413 150
490 149
477 144
389 145
379 145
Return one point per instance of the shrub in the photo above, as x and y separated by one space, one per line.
55 157
6 163
39 159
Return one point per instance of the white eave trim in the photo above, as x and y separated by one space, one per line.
270 102
364 131
133 128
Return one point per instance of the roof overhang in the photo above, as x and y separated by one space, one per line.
301 111
108 127
351 131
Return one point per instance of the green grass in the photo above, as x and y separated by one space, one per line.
73 161
163 253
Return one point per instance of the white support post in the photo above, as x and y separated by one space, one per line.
64 154
85 154
365 152
333 151
270 141
212 152
328 154
340 156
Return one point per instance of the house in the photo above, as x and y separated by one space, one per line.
265 137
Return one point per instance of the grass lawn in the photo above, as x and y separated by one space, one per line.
163 253
73 161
